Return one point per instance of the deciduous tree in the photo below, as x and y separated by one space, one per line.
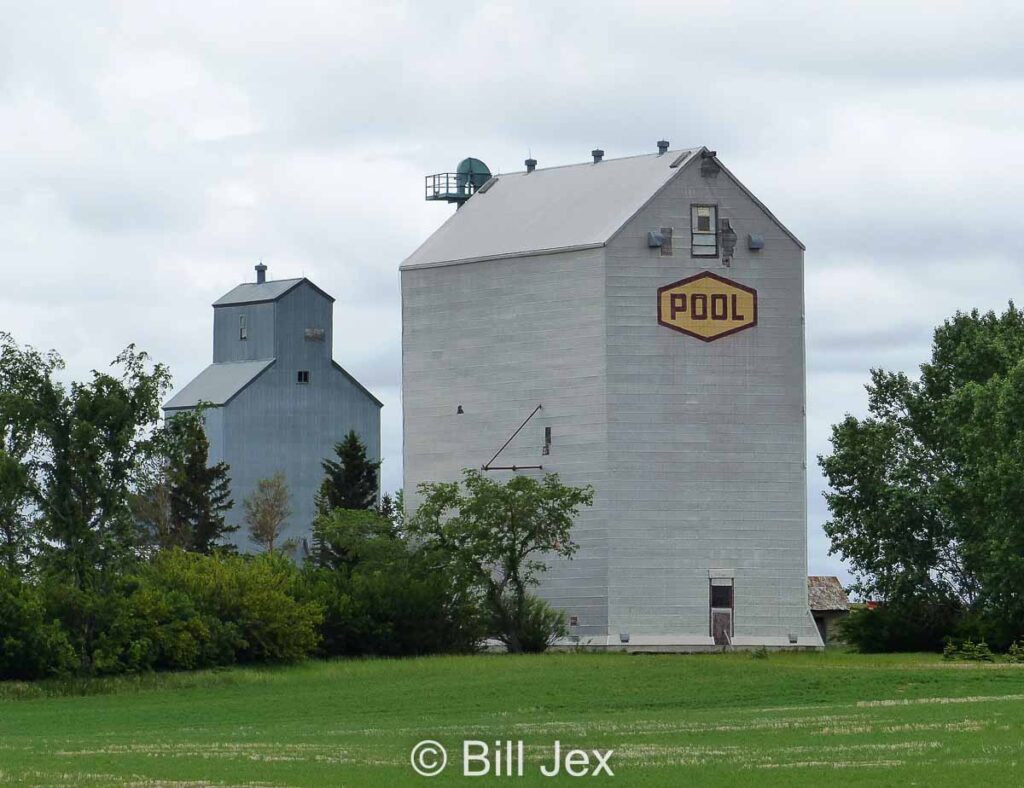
497 535
24 373
927 493
267 510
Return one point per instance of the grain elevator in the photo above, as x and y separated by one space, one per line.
644 317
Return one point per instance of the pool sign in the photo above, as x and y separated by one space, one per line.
707 306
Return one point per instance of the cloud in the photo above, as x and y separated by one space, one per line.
153 154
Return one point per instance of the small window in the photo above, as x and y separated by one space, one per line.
704 230
243 329
303 376
721 596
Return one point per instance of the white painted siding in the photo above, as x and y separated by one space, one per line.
706 439
500 338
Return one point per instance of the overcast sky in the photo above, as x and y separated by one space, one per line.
152 153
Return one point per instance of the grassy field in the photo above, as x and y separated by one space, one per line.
791 719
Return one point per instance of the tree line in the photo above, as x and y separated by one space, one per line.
116 554
927 493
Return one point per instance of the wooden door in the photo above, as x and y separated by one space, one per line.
721 626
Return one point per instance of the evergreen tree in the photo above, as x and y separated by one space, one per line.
200 494
387 509
351 481
184 503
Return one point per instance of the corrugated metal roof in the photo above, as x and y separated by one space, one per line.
253 293
218 383
553 209
826 593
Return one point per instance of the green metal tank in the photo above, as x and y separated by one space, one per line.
471 173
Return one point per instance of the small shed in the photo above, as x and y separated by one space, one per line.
829 605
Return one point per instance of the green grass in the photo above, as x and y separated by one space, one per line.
791 719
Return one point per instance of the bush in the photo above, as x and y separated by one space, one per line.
1016 652
158 628
969 650
915 626
186 611
382 595
391 612
540 626
978 652
250 607
32 645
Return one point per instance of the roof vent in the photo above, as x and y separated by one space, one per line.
598 154
709 168
261 273
662 147
531 165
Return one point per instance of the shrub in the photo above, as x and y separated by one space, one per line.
32 645
540 626
185 611
138 624
159 628
916 626
969 650
250 606
978 652
382 595
1016 652
391 612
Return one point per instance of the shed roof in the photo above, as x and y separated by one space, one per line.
825 592
218 383
555 209
255 293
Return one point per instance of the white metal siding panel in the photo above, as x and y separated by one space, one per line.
499 338
706 440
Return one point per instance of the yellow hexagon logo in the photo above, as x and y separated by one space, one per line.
707 306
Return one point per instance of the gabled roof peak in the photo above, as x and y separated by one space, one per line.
669 156
550 209
567 207
260 292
